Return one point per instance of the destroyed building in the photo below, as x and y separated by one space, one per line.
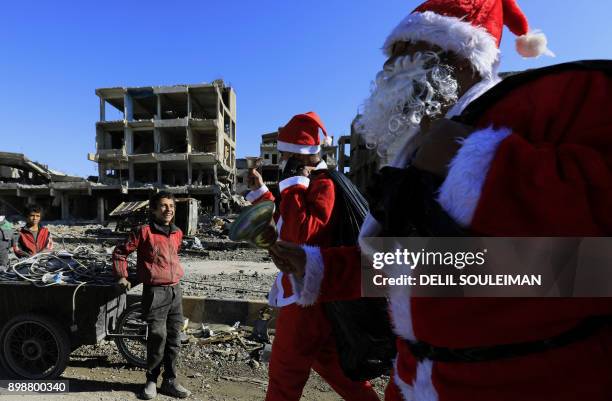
271 159
23 181
361 163
242 172
180 139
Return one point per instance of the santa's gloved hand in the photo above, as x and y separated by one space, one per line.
289 258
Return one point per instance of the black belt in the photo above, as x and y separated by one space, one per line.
584 329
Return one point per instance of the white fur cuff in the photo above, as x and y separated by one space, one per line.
460 192
291 181
308 288
256 194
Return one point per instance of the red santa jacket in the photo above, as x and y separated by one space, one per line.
306 217
540 165
26 245
157 260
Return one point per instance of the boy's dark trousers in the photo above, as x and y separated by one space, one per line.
163 312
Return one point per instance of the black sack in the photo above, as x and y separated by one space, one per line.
362 328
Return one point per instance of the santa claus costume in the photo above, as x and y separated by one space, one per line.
538 164
304 338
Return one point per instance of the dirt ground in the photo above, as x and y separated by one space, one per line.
94 378
220 372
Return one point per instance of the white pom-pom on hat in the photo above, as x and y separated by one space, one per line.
533 44
328 140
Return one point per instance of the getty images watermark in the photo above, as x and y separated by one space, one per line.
488 267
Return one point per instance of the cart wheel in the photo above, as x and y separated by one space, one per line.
134 350
34 347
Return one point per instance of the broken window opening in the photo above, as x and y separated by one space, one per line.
115 111
203 112
173 140
202 174
145 173
144 103
173 105
174 175
113 139
82 207
143 142
17 175
226 124
117 177
204 141
227 155
203 104
225 98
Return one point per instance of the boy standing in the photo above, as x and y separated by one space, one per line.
159 270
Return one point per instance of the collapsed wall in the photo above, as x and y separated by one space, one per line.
23 181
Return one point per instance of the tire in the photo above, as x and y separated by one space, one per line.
133 350
34 347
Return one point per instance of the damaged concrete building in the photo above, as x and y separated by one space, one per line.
360 163
23 181
242 172
180 139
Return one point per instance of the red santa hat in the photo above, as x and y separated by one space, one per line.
301 134
471 29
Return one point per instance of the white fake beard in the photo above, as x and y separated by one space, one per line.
402 94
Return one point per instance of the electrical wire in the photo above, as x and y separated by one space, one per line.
82 265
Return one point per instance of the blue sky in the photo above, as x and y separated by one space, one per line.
282 58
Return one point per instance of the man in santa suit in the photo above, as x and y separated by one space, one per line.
534 161
304 338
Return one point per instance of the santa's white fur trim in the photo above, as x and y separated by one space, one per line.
533 44
406 389
256 194
449 33
423 385
276 297
422 389
295 180
294 148
460 191
308 289
401 312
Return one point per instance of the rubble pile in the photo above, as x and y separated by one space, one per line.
215 227
229 355
228 285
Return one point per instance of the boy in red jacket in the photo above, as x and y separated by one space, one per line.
34 237
160 271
